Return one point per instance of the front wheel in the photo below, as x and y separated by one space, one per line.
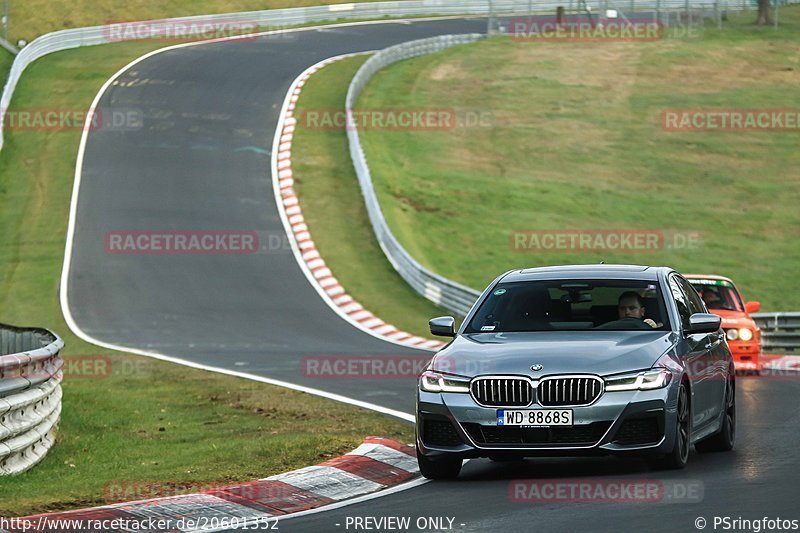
679 456
441 468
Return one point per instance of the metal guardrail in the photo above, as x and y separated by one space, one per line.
779 331
451 295
281 18
30 395
274 18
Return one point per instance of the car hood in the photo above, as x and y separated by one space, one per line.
734 319
592 352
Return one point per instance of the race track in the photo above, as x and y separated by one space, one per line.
202 162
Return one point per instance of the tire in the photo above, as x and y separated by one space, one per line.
441 468
723 440
679 456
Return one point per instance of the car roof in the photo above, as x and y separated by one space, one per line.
636 272
690 277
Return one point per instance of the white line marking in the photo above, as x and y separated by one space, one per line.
64 287
279 136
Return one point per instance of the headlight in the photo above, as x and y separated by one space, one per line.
436 382
645 380
745 334
732 334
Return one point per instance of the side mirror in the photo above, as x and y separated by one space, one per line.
704 323
443 326
752 307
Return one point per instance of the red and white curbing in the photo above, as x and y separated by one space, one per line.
307 253
376 465
773 362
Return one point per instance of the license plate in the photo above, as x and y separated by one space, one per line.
534 417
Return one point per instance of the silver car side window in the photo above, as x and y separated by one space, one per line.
680 300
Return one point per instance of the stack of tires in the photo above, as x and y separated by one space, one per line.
30 395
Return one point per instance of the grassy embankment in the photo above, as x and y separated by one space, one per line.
30 19
575 142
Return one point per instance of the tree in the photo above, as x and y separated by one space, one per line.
763 13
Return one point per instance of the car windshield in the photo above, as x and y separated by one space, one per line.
718 294
575 305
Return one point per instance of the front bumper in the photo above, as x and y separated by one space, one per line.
746 354
618 422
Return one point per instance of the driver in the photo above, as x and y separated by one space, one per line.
631 305
711 298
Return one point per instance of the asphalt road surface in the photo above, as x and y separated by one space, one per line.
754 481
202 162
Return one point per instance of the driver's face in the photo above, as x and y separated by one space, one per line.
630 308
710 297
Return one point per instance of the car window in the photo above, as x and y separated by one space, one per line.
573 305
696 304
681 301
718 294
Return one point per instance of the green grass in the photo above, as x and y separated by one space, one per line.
32 18
215 428
576 143
335 213
160 425
5 64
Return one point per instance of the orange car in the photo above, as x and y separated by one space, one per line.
723 299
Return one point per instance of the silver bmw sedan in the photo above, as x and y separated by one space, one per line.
576 360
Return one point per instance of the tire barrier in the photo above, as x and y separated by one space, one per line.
30 395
